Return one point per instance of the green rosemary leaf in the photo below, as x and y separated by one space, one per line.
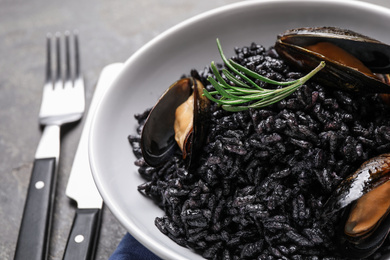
270 101
227 63
224 101
241 96
235 108
258 76
235 91
220 89
233 79
218 75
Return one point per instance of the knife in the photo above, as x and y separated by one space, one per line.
84 233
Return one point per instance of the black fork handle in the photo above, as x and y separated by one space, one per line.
35 228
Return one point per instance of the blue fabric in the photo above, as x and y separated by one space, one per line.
130 249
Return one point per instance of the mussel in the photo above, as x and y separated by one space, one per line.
177 121
354 62
364 197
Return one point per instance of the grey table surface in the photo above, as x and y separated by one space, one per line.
110 31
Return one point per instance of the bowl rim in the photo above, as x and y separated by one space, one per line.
114 208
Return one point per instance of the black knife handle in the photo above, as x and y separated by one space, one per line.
36 221
84 235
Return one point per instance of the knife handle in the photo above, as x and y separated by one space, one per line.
36 221
84 235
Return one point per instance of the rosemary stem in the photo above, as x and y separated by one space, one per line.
241 93
227 63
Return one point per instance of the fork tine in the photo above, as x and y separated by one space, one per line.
49 79
48 76
77 56
67 57
58 57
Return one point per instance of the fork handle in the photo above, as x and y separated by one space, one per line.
34 231
84 235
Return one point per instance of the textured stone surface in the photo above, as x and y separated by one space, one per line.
110 31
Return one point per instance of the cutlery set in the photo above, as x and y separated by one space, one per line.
81 186
63 102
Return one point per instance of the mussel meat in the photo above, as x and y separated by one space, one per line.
365 198
354 62
177 121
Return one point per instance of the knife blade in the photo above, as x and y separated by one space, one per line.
81 187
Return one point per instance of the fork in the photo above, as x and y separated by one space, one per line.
63 102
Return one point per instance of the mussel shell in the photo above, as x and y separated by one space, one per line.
367 177
195 142
362 247
157 138
374 54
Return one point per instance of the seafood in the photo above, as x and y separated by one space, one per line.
178 120
365 195
354 62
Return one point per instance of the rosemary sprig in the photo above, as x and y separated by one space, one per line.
242 96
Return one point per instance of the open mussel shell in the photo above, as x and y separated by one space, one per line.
367 177
365 246
375 55
371 176
158 142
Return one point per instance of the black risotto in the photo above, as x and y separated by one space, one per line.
264 175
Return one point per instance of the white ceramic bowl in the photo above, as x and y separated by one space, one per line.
191 44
